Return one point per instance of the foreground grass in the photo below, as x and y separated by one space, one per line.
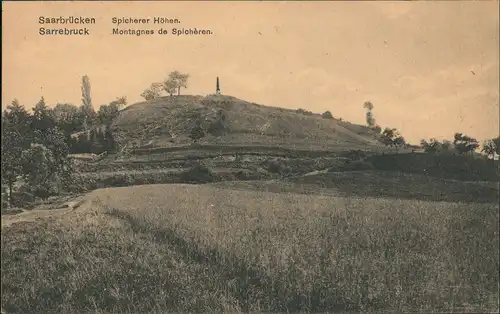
96 263
199 248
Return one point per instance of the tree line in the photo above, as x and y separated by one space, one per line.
462 144
36 144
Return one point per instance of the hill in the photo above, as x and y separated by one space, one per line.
227 120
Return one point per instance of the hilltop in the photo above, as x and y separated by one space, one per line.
167 121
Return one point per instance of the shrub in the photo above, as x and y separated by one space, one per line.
327 115
198 174
277 166
196 133
220 125
304 112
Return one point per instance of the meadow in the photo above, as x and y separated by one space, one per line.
207 248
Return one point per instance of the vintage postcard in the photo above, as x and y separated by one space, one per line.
250 156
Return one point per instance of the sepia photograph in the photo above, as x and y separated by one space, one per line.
250 156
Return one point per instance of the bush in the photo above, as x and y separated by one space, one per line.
196 133
220 125
198 174
327 115
277 166
304 112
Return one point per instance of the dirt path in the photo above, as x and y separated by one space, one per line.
47 210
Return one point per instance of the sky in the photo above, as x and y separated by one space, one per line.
430 68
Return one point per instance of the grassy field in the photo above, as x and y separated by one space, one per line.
208 248
375 184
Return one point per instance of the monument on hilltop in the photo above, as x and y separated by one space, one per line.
217 87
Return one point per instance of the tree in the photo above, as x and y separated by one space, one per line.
34 147
465 144
104 114
16 136
370 120
446 146
87 107
399 141
490 149
107 113
55 141
430 147
327 115
18 117
86 96
43 117
496 141
434 146
178 80
153 92
119 102
368 105
391 137
170 86
11 158
387 136
82 144
68 118
110 144
38 164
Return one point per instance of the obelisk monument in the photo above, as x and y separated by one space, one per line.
217 88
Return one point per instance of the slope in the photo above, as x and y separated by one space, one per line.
227 120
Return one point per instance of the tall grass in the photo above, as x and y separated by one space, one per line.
311 253
200 248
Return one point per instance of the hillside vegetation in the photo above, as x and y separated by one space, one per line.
231 121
